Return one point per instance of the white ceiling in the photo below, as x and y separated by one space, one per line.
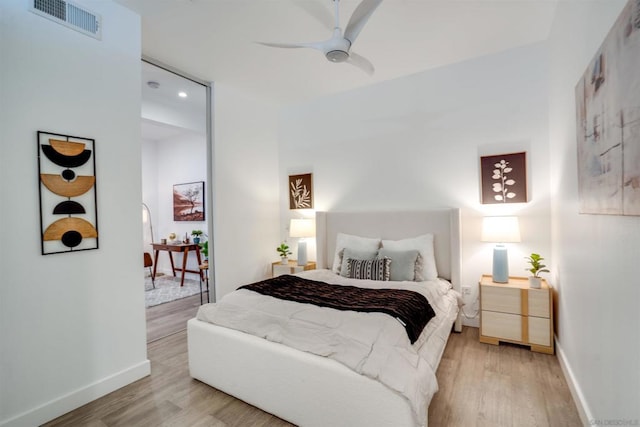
214 39
166 115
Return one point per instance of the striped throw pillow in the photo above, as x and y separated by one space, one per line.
371 269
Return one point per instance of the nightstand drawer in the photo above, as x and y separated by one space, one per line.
539 303
504 300
501 325
539 331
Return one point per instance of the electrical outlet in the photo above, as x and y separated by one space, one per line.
466 290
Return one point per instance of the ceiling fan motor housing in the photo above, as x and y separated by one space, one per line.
337 55
337 48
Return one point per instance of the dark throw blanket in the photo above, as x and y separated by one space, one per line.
411 309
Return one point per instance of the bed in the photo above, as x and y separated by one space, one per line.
311 390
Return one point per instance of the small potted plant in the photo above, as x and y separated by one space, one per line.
537 267
196 236
204 248
284 252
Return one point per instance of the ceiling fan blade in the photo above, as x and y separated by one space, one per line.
361 62
317 11
359 18
318 46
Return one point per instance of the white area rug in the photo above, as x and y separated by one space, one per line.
168 289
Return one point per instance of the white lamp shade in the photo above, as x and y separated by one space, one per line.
302 228
500 229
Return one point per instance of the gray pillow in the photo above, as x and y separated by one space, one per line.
348 253
403 263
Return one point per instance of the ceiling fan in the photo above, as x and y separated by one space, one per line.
338 47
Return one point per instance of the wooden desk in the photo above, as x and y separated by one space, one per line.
185 248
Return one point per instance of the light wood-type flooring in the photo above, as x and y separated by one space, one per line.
480 385
169 318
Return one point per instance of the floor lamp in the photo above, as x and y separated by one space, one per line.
500 230
146 216
302 228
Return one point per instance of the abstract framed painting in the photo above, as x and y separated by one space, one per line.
68 198
504 178
301 191
608 122
188 201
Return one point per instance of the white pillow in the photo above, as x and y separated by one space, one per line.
352 242
424 245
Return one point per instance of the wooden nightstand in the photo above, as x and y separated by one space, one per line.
278 269
513 312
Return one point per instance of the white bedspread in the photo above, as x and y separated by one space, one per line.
372 344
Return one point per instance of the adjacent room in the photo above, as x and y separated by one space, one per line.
471 163
174 197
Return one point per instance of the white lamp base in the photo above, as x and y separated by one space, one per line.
500 264
302 252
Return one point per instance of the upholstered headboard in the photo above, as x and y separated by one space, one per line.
443 223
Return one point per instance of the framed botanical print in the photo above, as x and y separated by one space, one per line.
300 191
504 178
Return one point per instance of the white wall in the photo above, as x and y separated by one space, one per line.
596 256
188 116
177 160
150 192
246 191
62 345
415 143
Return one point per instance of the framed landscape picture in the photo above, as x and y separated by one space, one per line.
504 178
188 201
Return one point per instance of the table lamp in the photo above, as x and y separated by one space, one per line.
500 230
302 228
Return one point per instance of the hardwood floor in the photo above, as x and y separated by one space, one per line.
169 318
480 385
505 385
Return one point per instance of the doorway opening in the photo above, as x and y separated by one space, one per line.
176 196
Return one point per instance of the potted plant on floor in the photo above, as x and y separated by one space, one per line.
537 267
284 252
196 236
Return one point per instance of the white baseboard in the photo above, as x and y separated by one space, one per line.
77 398
576 392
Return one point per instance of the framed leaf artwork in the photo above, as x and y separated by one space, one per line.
504 178
300 191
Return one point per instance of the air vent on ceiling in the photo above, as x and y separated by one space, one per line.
71 15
